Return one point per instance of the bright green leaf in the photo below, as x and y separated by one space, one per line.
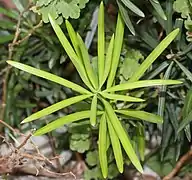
49 76
73 37
102 146
69 50
154 55
141 84
119 33
123 136
142 115
64 120
93 117
55 107
101 42
86 60
121 97
108 61
116 147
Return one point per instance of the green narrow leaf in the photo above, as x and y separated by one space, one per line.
108 142
55 107
74 40
185 70
6 38
187 100
119 33
185 122
140 131
154 55
173 117
157 70
93 117
49 76
9 13
166 137
141 84
133 8
161 102
158 8
169 14
186 109
123 136
70 52
102 146
126 17
142 115
108 60
121 97
88 68
101 42
64 120
116 147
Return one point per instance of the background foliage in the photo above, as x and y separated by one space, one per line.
147 25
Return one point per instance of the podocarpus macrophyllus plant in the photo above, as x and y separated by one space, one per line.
101 88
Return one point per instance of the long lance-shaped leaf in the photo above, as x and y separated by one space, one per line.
185 70
133 8
74 40
93 116
142 115
186 109
125 16
71 53
64 120
121 97
86 60
101 42
158 8
108 61
123 136
161 103
55 107
141 84
102 145
185 122
154 55
49 76
140 131
116 147
119 33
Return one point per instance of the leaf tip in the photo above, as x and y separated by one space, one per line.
9 62
101 4
50 17
22 122
120 169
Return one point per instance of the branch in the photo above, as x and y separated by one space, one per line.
186 157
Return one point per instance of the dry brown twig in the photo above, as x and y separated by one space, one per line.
17 160
186 157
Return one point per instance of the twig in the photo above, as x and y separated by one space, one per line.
12 129
25 141
186 157
30 33
53 147
58 174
